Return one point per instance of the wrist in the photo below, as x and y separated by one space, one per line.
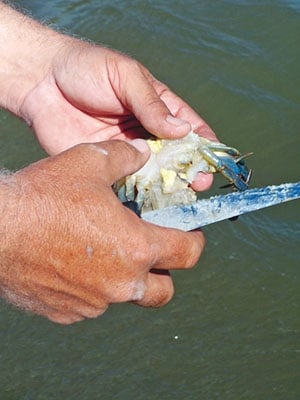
8 211
19 213
27 49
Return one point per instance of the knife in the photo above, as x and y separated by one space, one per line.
217 208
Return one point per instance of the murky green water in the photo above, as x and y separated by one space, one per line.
232 330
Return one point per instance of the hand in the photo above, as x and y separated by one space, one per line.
71 91
95 94
69 248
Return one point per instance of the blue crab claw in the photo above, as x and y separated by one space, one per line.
230 163
236 171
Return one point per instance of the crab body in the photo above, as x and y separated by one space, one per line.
173 165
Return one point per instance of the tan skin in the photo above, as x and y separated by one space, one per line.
68 247
78 253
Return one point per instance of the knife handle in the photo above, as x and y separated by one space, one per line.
133 206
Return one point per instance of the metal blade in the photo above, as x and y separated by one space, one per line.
217 208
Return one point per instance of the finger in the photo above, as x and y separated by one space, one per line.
34 305
64 318
202 182
159 290
183 111
147 106
175 249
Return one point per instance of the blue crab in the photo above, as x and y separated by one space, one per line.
173 164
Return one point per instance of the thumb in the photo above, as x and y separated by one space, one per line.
107 161
114 159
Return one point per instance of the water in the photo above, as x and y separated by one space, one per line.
232 330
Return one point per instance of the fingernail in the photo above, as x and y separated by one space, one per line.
176 121
140 145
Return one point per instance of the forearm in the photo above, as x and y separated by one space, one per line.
26 51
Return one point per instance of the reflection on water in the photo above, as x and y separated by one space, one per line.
232 330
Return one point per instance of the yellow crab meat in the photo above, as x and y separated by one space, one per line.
174 164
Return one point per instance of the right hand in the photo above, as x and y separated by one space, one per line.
70 248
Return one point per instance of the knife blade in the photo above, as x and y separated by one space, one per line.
218 208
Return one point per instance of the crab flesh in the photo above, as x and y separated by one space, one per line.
173 165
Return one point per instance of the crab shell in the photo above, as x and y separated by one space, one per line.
173 165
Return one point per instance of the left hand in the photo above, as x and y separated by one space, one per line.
92 94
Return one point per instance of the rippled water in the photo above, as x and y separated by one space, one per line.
232 330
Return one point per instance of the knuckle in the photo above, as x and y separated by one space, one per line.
194 250
143 255
137 290
124 290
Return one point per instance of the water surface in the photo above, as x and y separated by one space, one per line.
232 330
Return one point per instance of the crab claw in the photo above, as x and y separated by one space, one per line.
236 172
229 162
